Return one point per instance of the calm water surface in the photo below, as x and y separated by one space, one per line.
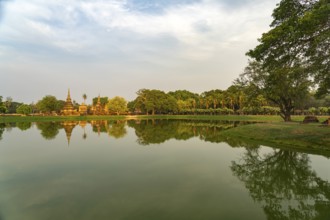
153 170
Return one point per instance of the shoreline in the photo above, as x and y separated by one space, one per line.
255 118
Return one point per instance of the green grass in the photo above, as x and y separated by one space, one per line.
306 137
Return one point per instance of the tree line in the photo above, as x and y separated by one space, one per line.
237 99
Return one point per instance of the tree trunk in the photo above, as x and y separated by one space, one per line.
287 117
286 113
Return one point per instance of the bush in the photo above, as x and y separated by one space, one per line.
24 109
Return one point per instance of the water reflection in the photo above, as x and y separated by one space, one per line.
68 128
284 183
159 131
49 130
24 125
180 180
117 129
147 131
2 129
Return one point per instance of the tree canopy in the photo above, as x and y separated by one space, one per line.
117 105
24 109
3 108
49 103
155 101
294 51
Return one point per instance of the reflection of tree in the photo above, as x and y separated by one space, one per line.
153 131
2 129
117 129
159 131
100 126
49 130
285 184
24 125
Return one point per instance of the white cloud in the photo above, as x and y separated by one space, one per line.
201 27
204 42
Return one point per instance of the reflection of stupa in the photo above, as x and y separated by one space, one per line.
83 124
68 108
68 128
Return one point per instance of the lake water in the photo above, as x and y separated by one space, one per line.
154 170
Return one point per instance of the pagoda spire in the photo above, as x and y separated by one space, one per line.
99 99
69 97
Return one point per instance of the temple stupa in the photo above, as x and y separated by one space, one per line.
98 109
68 108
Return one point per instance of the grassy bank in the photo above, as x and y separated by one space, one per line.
312 138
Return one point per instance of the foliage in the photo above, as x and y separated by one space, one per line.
155 101
283 86
84 96
49 130
8 102
103 100
3 108
11 106
184 95
117 105
296 48
24 109
2 129
49 103
24 125
117 129
158 131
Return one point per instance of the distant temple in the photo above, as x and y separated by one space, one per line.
68 108
83 109
98 109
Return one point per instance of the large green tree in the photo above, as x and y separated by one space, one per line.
284 86
117 105
300 37
48 104
155 101
296 48
24 109
314 41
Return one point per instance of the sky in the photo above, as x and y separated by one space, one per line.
116 47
